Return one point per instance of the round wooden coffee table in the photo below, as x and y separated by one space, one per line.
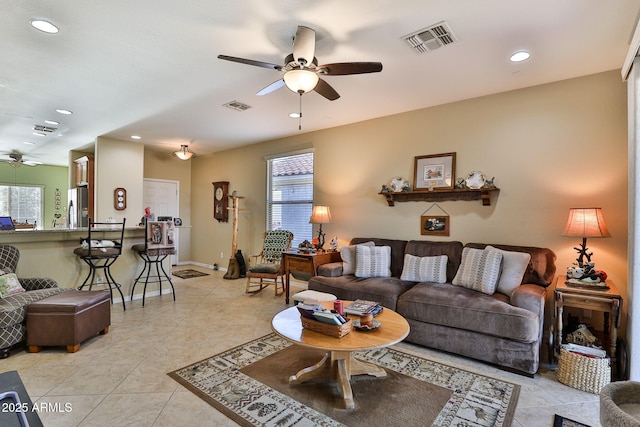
338 364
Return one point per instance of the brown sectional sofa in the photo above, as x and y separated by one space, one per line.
498 329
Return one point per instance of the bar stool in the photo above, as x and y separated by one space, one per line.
100 250
158 245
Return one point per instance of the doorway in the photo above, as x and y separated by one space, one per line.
162 197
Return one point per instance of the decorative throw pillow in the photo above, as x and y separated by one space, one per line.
9 285
348 255
425 269
479 270
514 265
373 261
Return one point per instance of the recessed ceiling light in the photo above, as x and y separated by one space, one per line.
44 25
63 111
294 115
29 143
52 122
136 137
521 55
39 133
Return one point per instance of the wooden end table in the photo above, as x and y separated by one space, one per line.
305 263
608 301
339 364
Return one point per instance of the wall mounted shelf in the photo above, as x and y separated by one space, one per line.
483 194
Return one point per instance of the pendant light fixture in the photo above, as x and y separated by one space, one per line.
184 153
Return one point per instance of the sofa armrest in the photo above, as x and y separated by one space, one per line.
331 269
530 297
34 283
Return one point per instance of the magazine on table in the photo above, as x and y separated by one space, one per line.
359 307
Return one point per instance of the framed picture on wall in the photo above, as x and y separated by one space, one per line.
434 225
435 171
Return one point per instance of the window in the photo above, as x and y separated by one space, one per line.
290 195
23 203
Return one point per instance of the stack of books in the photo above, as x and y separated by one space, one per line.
360 307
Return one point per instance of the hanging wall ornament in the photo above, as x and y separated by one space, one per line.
434 223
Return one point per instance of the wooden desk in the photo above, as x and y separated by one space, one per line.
608 301
305 263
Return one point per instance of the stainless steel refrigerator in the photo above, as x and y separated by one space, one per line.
78 207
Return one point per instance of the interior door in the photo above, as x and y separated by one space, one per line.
162 197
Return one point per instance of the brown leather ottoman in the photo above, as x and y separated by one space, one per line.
67 319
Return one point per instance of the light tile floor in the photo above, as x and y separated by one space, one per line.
121 378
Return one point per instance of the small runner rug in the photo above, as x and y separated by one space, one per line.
188 274
560 421
249 384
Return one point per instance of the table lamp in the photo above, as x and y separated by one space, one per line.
320 215
585 222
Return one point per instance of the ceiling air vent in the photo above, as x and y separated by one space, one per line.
238 106
430 38
41 128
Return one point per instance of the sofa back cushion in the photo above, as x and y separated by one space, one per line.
542 267
397 251
453 251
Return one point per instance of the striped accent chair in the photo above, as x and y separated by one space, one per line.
13 308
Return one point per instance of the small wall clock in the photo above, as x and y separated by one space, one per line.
120 199
221 201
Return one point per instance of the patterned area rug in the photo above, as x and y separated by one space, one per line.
560 421
188 274
249 385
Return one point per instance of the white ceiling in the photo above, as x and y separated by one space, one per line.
150 67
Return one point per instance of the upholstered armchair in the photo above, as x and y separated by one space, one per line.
13 308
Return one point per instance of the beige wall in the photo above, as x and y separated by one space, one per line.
550 148
118 164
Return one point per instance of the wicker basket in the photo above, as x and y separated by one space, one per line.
337 331
582 372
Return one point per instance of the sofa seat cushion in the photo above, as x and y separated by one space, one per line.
13 308
384 290
462 308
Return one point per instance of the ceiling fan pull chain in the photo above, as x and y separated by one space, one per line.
300 115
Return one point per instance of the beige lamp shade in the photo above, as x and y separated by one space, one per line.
320 215
586 222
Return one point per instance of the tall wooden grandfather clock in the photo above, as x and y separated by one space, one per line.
221 201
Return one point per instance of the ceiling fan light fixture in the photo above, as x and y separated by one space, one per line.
184 153
301 81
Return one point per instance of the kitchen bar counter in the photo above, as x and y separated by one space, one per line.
57 235
49 253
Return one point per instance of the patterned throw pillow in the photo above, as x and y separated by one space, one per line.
348 255
373 261
479 270
514 265
9 285
425 269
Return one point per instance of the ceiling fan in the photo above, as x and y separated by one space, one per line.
301 70
16 160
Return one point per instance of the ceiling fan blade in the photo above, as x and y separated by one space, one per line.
325 89
304 45
251 62
345 68
273 86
